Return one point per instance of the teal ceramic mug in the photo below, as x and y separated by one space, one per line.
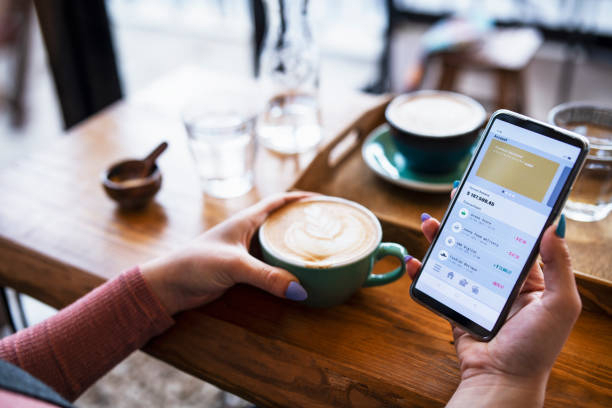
434 130
333 284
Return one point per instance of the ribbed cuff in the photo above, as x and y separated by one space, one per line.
148 302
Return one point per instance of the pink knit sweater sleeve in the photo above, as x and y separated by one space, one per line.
74 348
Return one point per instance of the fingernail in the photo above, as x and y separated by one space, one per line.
561 227
296 292
455 183
425 217
407 258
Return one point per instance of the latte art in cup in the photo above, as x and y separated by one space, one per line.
436 114
330 245
321 233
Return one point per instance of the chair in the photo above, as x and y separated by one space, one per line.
15 16
80 50
505 54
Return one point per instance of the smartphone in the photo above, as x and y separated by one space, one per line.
514 187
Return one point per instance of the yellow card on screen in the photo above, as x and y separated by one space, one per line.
517 170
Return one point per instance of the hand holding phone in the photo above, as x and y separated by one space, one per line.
514 366
479 272
512 190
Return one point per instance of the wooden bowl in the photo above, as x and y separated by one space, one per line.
122 183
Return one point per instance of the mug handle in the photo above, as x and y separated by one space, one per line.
384 249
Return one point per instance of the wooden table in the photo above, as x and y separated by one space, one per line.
60 237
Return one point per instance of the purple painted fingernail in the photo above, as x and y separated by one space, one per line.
425 217
296 292
407 258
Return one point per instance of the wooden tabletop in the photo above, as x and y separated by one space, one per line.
60 236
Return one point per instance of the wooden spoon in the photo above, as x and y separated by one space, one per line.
149 161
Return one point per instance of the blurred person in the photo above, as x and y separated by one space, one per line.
55 361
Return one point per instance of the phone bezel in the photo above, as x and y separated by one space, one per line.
543 129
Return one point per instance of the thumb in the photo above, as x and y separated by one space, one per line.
276 281
260 211
558 274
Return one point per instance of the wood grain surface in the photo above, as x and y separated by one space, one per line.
60 236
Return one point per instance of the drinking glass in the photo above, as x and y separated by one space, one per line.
591 197
222 142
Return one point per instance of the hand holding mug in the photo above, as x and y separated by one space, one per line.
330 244
219 258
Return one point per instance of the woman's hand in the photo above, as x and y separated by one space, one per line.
218 259
513 368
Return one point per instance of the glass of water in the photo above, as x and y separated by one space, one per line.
591 197
222 141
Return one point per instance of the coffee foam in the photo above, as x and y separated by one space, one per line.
435 114
320 233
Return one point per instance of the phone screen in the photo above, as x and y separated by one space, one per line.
496 220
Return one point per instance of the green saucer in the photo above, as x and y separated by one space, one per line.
381 155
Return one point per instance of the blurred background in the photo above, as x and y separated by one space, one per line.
370 45
62 61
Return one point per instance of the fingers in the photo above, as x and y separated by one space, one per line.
274 280
412 267
534 281
429 226
558 274
271 203
263 208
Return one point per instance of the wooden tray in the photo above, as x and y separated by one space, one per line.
339 170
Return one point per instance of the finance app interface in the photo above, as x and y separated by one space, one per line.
496 220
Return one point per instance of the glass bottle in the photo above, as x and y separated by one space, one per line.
289 75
